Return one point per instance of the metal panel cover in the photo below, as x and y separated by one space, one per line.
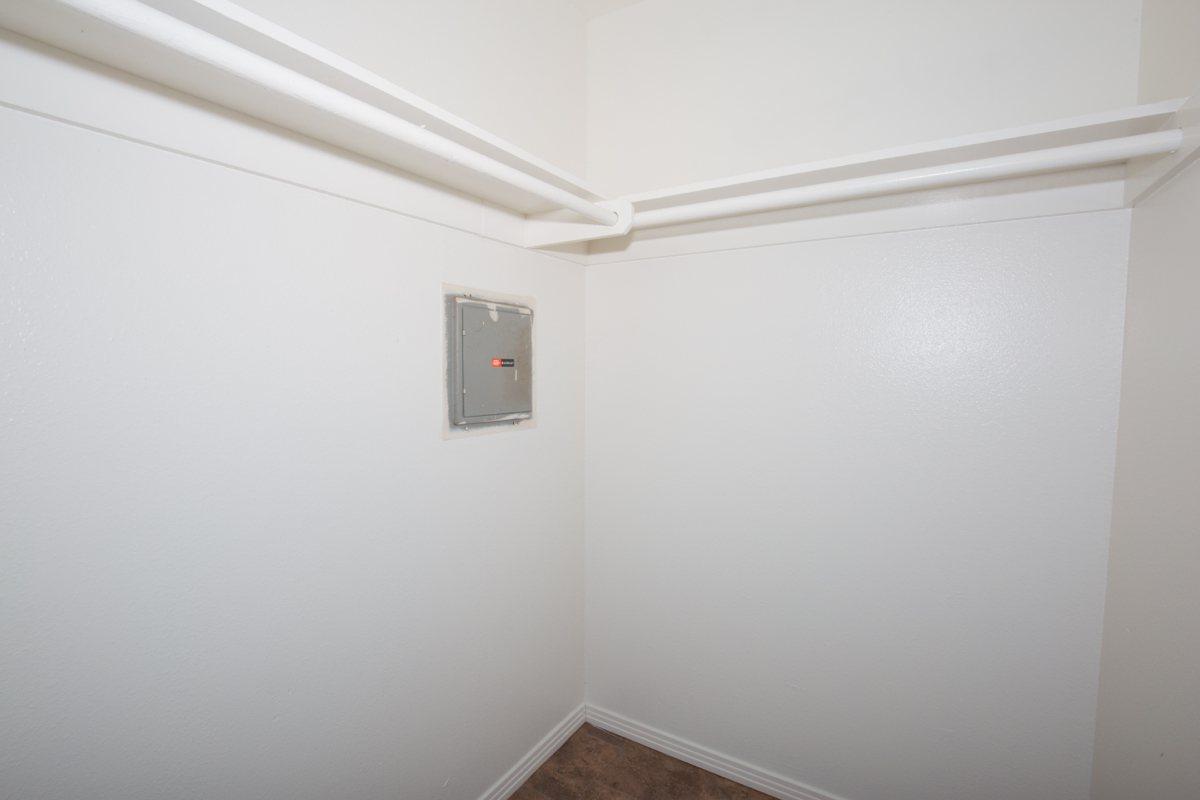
491 369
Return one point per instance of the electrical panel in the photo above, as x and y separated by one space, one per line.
490 361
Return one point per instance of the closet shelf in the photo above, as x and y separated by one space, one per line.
107 31
1118 123
1142 134
220 52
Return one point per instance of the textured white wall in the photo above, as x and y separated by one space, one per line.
1170 59
848 503
238 559
515 68
1148 725
1148 719
685 90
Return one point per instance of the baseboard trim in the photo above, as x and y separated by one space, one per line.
512 780
735 769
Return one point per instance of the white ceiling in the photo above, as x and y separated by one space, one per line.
594 8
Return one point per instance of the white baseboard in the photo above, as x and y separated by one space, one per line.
512 780
735 769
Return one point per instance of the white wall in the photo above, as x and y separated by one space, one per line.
1148 720
514 68
1148 726
1170 59
685 90
238 559
848 503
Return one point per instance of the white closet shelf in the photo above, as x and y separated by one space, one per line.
69 25
1142 134
220 52
1115 124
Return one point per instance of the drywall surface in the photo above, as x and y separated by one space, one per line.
848 503
1148 726
594 8
237 558
686 90
516 69
1170 59
1148 719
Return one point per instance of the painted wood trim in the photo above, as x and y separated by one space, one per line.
512 780
698 755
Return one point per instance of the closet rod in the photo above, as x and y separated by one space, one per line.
1014 165
165 30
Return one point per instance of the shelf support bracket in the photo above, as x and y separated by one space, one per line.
563 227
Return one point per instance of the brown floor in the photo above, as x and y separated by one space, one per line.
598 765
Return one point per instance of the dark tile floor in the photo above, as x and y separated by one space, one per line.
598 765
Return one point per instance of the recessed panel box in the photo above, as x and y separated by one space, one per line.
490 369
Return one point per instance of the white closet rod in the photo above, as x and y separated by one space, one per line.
1073 156
136 18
